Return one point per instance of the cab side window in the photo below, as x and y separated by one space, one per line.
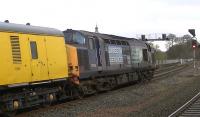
78 38
34 51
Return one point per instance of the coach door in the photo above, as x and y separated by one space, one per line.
39 66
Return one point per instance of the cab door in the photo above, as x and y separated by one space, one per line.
39 66
92 53
98 48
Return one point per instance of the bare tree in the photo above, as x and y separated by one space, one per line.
172 38
168 44
182 39
155 46
186 37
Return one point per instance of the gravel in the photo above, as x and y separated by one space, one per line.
157 98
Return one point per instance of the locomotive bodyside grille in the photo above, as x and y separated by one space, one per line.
15 46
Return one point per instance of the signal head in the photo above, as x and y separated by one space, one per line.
192 32
194 44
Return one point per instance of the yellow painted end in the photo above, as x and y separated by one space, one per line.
72 61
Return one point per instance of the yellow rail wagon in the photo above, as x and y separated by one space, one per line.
33 65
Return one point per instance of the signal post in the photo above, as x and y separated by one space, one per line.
194 56
194 45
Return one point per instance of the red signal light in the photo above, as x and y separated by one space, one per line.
194 44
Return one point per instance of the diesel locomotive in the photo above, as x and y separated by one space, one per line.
40 66
106 61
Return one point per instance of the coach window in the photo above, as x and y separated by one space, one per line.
34 52
78 38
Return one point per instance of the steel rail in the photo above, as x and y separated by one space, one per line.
189 109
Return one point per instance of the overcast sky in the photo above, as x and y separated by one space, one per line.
119 17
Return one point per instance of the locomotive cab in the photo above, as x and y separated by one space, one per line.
86 51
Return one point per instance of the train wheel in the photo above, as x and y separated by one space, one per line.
139 77
112 84
80 92
83 89
50 99
77 92
12 106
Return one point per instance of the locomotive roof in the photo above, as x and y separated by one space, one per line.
133 41
109 36
104 36
28 29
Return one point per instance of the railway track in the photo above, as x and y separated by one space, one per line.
189 109
164 68
169 71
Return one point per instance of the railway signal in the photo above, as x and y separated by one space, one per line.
194 41
192 32
194 44
143 38
164 38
